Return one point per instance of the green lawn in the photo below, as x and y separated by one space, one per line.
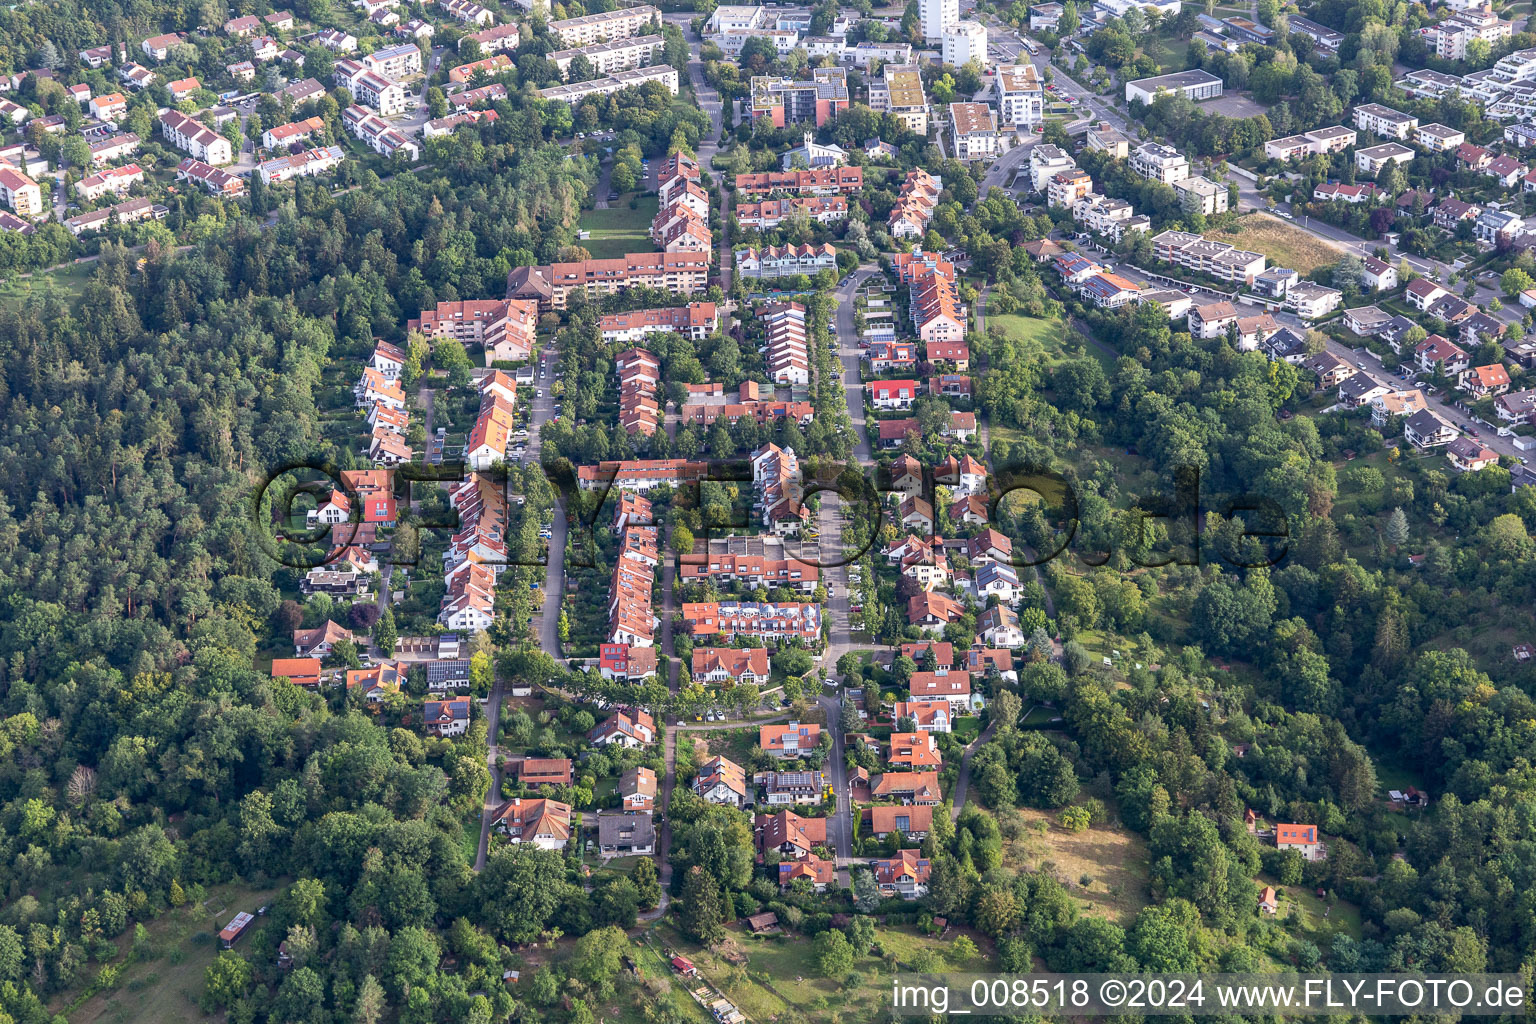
781 974
162 988
619 230
67 282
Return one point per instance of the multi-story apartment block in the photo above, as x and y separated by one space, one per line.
1437 138
1159 163
1020 99
1322 140
680 273
608 25
964 42
196 138
1201 195
496 39
371 89
900 91
395 61
1372 159
1106 138
611 57
1068 187
974 134
1045 162
937 15
1384 121
379 135
19 192
575 92
783 102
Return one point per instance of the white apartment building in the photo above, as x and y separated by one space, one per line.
1437 138
395 61
576 91
372 89
608 25
964 42
301 165
1384 121
1045 162
975 135
1200 194
1020 99
195 138
1160 163
936 16
19 192
610 58
1372 159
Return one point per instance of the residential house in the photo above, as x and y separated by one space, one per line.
1469 456
1303 839
545 824
789 741
721 781
444 718
905 875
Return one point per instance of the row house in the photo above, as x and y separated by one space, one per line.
914 205
309 163
788 355
695 321
779 490
468 12
291 133
716 666
764 620
764 411
937 314
639 375
781 261
475 99
752 571
116 180
495 64
821 181
219 182
770 213
640 475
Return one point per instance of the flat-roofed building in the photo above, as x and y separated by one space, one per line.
1195 85
1020 99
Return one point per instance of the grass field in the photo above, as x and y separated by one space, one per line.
780 973
1283 244
1113 858
619 230
68 282
163 988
